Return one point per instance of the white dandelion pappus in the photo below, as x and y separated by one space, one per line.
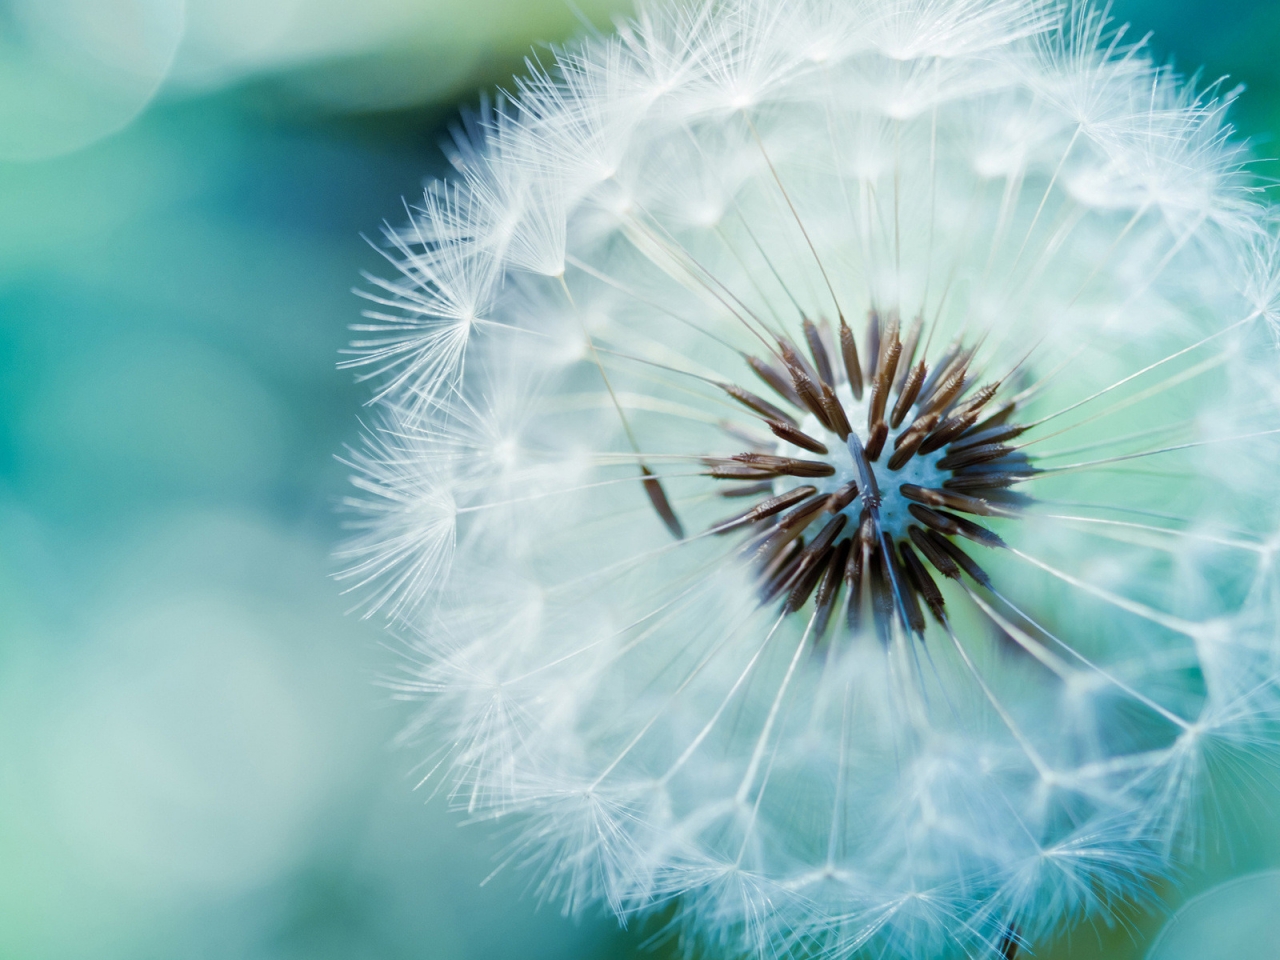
962 312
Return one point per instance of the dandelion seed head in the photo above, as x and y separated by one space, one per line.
825 471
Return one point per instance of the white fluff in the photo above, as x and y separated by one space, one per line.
1007 170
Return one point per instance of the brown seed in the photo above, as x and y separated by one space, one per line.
749 490
740 471
873 341
835 413
793 434
852 366
829 588
781 573
956 501
960 557
773 378
802 514
881 593
758 404
947 390
998 416
806 468
1009 943
875 442
658 497
987 481
942 368
791 354
744 436
972 456
805 579
818 350
922 582
907 394
908 442
828 336
995 434
951 525
764 509
860 554
909 346
866 476
842 498
788 528
909 600
882 382
829 533
766 465
888 337
960 421
921 425
805 387
814 558
940 559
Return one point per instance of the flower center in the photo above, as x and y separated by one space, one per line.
876 472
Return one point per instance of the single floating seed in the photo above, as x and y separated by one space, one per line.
658 497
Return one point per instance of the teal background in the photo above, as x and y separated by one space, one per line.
195 756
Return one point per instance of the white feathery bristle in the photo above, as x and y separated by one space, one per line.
824 471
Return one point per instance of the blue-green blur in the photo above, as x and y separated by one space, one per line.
196 757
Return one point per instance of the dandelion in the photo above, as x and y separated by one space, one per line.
826 471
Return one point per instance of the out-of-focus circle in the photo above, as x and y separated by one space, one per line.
1239 919
228 39
74 71
185 764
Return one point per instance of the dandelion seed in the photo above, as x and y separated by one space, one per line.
854 516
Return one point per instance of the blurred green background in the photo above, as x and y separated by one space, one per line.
195 757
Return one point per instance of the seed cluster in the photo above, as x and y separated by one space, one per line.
917 410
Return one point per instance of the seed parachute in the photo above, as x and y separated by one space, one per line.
821 466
